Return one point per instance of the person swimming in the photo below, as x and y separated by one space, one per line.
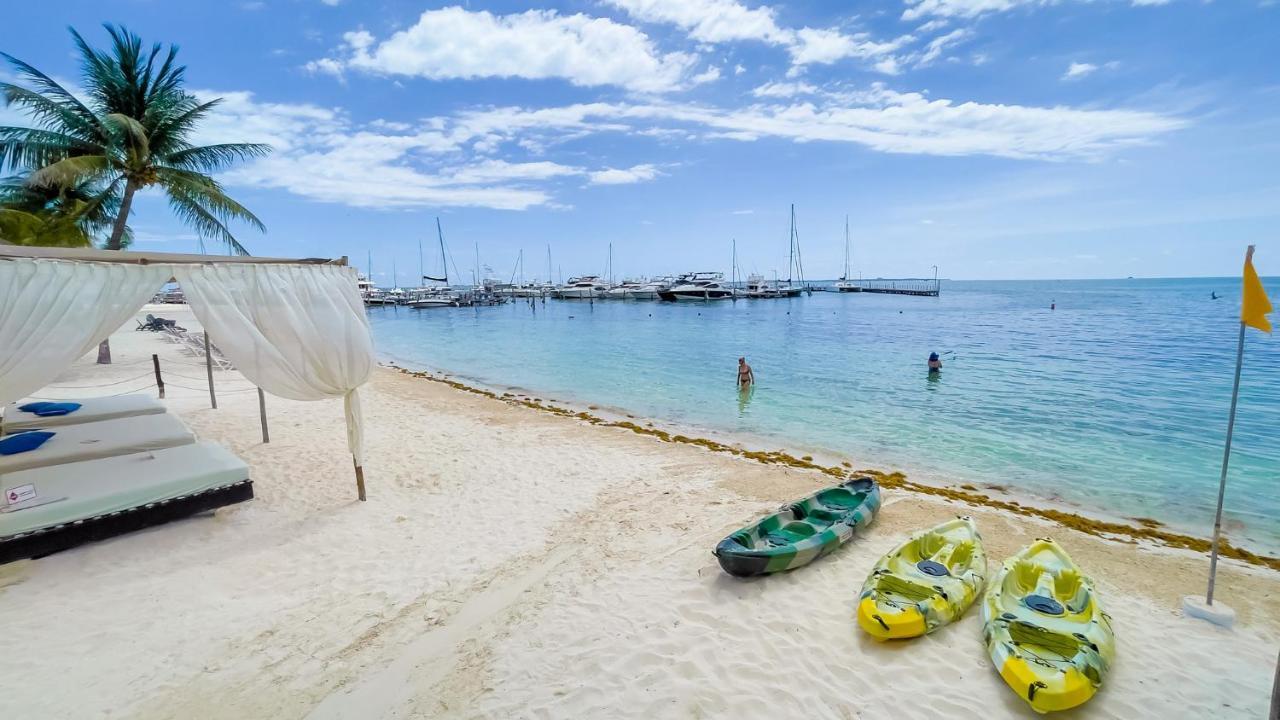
935 363
746 376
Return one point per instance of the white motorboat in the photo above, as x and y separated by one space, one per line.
431 298
637 290
587 287
697 286
760 289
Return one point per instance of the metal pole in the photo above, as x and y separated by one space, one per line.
208 368
1226 457
359 478
262 415
155 362
1275 695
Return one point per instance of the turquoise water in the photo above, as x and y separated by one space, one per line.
1115 401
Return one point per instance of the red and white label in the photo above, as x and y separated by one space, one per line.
22 493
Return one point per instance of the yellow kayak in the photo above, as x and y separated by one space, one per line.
1045 631
924 583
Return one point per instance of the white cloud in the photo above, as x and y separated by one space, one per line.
1078 70
743 212
711 74
917 9
784 89
878 118
453 43
938 45
479 157
713 21
720 21
331 3
627 176
321 154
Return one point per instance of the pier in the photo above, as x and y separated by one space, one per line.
921 287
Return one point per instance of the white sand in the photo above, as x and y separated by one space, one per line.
510 563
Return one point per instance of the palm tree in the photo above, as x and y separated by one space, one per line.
133 131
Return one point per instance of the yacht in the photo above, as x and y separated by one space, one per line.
587 287
637 290
701 286
759 289
425 298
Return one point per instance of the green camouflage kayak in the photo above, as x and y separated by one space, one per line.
801 532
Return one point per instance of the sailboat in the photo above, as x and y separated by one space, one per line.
846 284
434 297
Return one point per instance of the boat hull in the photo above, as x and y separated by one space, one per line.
925 583
801 532
1045 631
694 295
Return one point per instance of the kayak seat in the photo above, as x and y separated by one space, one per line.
839 499
792 532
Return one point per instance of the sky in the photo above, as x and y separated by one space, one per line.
994 139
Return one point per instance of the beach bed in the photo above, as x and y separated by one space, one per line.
67 505
109 438
91 410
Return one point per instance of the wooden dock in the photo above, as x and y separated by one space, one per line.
919 287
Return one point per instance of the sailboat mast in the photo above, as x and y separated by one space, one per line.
368 264
845 276
791 247
733 269
551 278
476 282
422 273
609 267
444 262
395 277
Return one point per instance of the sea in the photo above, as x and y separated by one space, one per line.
1110 396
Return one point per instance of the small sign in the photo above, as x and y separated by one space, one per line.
20 494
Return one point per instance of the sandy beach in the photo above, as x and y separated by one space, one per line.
512 562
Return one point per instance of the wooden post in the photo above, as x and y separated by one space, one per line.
262 415
359 478
155 362
208 368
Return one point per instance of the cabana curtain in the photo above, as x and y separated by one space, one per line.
297 332
51 313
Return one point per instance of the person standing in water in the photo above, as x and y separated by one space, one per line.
935 363
746 377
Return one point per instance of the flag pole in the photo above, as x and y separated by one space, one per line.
1226 458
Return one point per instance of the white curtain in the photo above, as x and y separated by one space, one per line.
52 312
299 332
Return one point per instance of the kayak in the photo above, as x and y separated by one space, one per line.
924 583
1045 631
801 532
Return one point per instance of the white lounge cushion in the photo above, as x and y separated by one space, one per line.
109 438
81 490
91 410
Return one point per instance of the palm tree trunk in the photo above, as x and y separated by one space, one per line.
122 218
117 232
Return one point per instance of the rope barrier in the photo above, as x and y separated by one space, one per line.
89 387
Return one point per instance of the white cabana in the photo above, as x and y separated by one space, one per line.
295 328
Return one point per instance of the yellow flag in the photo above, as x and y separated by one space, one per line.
1254 308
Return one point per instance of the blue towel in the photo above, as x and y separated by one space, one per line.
23 442
33 407
52 409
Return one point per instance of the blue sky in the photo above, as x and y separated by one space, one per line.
993 138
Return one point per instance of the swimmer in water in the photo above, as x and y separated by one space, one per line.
935 363
746 376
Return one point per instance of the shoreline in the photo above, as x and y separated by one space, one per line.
1141 529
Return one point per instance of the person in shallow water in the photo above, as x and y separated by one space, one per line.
746 376
935 363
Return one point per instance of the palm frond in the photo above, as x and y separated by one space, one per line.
46 86
72 171
208 193
212 158
32 147
132 132
204 222
49 113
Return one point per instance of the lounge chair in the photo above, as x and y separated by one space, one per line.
108 438
91 410
75 503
